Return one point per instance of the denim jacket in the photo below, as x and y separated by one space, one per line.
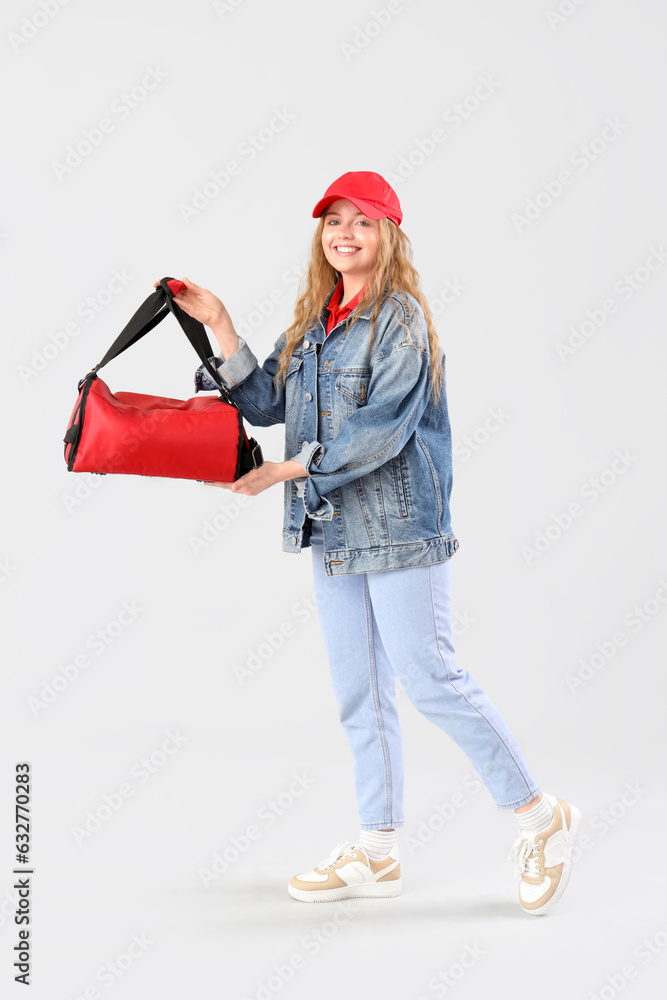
377 450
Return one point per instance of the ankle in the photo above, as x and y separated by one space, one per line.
529 805
377 843
538 816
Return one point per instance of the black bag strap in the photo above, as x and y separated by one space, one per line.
151 312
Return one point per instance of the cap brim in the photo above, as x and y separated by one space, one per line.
363 206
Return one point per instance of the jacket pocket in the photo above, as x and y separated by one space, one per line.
402 492
291 379
353 389
434 477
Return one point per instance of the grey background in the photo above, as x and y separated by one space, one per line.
76 547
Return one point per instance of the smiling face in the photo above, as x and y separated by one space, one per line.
349 239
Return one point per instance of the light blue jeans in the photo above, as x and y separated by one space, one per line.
396 623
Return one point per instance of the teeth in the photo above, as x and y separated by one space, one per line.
347 249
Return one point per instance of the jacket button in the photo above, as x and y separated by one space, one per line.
308 396
321 510
303 444
306 343
293 539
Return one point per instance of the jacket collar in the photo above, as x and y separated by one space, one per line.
362 315
318 335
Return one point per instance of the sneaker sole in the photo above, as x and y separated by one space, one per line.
573 833
374 890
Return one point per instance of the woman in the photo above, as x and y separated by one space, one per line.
359 381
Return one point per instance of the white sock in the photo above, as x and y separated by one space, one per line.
377 843
539 817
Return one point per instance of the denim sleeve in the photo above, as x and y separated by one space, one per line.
304 456
254 388
203 381
398 392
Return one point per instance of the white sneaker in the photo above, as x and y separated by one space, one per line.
348 872
544 859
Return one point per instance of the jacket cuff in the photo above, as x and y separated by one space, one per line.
305 456
316 507
232 372
203 381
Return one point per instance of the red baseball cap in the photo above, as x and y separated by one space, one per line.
369 191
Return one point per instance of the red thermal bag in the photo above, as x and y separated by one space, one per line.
132 433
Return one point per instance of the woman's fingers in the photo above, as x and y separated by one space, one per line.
198 302
185 281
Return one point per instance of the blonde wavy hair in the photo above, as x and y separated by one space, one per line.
394 272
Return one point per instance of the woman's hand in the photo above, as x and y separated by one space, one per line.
268 474
199 303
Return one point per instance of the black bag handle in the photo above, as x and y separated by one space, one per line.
151 312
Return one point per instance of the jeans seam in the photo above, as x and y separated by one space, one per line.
376 704
520 802
395 823
461 693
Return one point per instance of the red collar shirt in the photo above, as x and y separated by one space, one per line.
337 315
